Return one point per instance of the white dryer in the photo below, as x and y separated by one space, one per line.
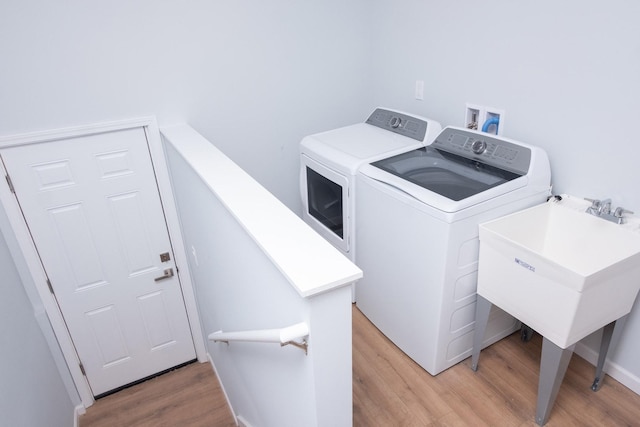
329 162
417 233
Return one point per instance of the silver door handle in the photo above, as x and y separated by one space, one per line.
167 274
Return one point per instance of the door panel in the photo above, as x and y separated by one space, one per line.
109 336
128 217
94 212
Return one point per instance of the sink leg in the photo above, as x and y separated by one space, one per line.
483 309
610 336
553 366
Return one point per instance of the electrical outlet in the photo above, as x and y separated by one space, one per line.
485 119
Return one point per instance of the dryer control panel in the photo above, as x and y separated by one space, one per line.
403 124
488 149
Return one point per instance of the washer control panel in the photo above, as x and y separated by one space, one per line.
399 123
485 148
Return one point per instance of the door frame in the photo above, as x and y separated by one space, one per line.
28 263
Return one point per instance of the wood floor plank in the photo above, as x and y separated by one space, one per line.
502 392
189 396
390 389
509 382
396 375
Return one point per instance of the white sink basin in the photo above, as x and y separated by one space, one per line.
563 272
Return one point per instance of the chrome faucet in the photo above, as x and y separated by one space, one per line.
602 208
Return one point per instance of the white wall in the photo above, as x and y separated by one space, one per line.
240 286
566 72
33 393
257 76
253 76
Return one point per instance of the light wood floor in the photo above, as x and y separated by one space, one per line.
187 397
389 389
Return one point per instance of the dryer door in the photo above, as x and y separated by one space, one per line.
325 202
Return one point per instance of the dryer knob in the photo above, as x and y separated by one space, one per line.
478 146
395 122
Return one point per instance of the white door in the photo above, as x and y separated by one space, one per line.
93 209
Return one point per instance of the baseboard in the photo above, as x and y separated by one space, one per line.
242 422
77 411
614 370
213 365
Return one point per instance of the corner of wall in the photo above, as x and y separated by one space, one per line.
77 411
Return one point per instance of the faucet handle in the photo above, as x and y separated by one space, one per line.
620 211
595 203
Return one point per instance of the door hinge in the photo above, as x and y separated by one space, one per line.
10 183
82 369
50 286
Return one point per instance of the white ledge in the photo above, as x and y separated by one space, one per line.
309 262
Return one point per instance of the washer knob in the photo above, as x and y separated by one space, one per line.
478 146
395 122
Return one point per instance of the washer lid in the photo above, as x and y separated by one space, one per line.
452 176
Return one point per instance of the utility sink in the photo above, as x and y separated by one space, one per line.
563 272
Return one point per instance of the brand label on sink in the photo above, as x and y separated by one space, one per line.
525 264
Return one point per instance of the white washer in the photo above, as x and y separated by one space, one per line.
417 233
329 162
